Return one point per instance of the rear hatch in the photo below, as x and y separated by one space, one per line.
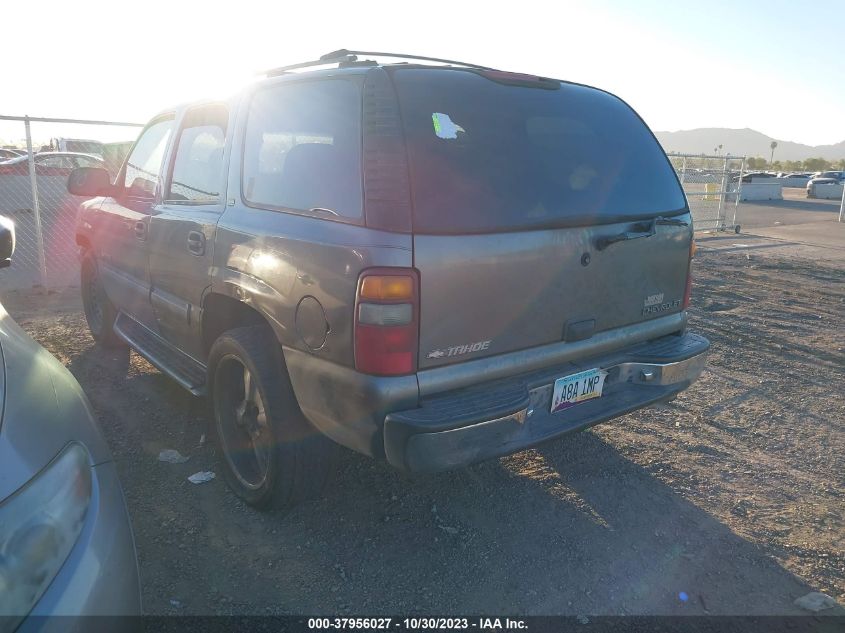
542 212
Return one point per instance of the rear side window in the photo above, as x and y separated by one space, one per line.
198 165
486 156
303 148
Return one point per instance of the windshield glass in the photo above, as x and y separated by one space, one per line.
486 156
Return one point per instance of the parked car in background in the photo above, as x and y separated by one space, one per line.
50 163
8 154
749 177
823 178
367 254
837 175
83 146
114 154
66 544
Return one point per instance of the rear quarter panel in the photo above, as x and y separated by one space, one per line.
272 260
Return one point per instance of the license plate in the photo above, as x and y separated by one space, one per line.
570 390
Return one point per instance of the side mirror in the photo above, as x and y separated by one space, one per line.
90 182
7 241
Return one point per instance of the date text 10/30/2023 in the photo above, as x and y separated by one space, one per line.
417 624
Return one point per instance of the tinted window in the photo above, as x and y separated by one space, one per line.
303 147
144 163
198 167
486 156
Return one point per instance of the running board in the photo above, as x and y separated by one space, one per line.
186 371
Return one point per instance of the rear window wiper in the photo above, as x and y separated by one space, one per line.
603 242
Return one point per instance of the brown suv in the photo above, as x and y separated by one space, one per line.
431 263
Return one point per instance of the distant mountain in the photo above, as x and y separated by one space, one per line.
744 142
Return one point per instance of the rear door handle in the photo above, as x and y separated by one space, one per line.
196 243
140 230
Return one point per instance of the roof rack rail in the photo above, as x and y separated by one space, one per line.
344 56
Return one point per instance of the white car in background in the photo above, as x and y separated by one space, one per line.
824 178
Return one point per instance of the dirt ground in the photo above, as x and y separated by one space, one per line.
730 500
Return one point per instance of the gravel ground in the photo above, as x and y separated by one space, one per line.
730 500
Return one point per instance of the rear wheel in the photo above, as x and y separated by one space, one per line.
100 312
272 456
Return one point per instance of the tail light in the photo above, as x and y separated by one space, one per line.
386 321
688 289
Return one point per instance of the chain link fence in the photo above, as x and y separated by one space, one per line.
33 191
712 185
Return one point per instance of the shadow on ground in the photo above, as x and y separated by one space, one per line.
571 527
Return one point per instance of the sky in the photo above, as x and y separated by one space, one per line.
774 66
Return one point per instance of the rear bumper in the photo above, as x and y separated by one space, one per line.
507 415
351 407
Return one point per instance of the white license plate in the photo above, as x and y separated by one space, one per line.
575 388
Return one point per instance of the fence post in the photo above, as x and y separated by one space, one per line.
722 194
842 204
36 210
738 190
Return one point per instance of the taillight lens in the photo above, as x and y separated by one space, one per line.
688 289
386 324
387 287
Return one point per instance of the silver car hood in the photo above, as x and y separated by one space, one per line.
42 409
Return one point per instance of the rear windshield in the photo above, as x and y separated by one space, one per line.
487 156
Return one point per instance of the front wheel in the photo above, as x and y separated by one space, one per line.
272 456
100 312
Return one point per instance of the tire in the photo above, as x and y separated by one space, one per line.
100 312
272 457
